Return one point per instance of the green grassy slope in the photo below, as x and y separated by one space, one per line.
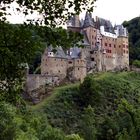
65 108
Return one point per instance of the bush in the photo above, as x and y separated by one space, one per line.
136 63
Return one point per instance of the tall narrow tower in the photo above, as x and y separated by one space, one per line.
74 24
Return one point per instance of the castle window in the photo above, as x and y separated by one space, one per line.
70 62
78 68
119 46
59 71
91 52
92 43
92 59
114 46
109 45
105 44
124 51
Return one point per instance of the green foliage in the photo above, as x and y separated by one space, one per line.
89 91
63 111
133 27
17 47
64 117
59 37
88 124
136 63
53 12
52 134
27 126
73 137
107 119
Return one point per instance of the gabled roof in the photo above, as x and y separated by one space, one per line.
88 20
121 30
60 52
107 25
75 52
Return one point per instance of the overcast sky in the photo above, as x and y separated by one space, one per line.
114 10
117 10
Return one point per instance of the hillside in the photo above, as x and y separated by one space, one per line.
104 107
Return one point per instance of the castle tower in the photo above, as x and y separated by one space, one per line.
88 20
74 24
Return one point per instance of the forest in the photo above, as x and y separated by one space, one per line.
133 27
104 107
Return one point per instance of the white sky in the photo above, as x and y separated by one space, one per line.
114 10
117 10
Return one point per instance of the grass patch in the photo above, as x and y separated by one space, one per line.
56 91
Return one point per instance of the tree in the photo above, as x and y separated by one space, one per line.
53 11
19 43
17 46
133 27
133 113
88 124
89 92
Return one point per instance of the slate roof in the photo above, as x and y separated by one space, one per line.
75 52
89 21
60 52
107 24
121 29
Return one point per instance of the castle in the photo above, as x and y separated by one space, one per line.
105 48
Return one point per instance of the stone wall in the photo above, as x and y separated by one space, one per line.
80 69
34 81
54 66
91 34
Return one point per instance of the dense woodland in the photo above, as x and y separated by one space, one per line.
104 107
133 27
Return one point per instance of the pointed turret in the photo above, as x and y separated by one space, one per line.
88 20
